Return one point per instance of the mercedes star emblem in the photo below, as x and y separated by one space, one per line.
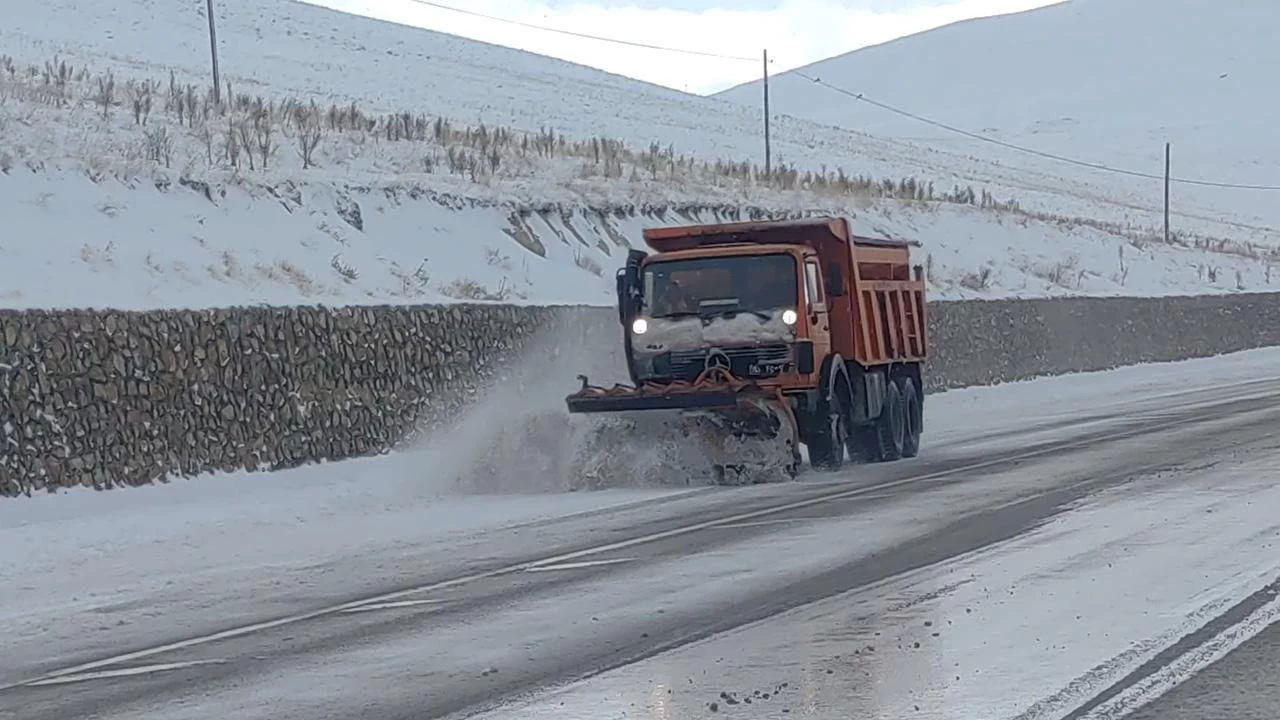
716 359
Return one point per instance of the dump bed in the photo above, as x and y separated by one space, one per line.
874 295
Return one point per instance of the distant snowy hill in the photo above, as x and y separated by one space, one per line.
1109 81
362 161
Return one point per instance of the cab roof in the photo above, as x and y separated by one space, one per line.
761 232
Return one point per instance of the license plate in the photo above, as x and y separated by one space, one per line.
767 369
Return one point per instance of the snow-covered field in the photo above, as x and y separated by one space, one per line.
133 190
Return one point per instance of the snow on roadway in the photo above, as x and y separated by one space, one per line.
213 550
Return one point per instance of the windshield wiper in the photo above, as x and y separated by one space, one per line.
678 314
737 311
712 313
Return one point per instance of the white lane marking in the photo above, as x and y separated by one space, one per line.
1188 664
122 672
392 605
578 565
1138 429
776 521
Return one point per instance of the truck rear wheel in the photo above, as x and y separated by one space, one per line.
912 415
888 435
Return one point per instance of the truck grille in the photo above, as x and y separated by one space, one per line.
744 362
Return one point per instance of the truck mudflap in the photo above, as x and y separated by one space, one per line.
727 413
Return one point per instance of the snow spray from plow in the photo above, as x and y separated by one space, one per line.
540 450
517 438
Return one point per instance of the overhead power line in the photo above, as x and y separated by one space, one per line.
586 36
1031 151
859 97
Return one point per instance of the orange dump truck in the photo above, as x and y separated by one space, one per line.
797 330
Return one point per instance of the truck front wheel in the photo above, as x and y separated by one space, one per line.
829 434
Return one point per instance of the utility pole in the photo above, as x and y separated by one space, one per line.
1166 193
768 159
213 51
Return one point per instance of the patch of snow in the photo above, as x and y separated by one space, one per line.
691 333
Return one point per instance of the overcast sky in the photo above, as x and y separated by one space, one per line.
796 32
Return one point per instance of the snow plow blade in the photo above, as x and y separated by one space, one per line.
748 434
624 399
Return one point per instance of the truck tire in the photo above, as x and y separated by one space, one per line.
887 436
830 433
912 415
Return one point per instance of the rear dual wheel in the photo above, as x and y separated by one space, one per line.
913 417
896 433
893 436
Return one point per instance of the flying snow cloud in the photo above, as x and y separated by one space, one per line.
796 32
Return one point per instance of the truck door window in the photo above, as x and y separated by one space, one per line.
812 289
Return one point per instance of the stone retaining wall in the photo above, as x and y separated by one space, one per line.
107 398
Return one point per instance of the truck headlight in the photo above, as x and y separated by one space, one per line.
640 326
789 317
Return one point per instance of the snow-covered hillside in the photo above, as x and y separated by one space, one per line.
405 165
93 244
1105 81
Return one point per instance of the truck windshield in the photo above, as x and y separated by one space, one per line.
720 285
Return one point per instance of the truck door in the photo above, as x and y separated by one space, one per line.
815 310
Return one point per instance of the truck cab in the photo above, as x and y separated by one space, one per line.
755 310
830 322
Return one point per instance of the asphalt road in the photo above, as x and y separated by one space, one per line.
542 604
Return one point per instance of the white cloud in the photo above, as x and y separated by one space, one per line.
796 32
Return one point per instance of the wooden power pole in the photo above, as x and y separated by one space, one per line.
768 159
1166 193
213 51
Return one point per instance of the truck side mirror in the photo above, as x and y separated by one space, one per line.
623 292
835 280
629 288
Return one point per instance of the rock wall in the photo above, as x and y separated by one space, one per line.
107 398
